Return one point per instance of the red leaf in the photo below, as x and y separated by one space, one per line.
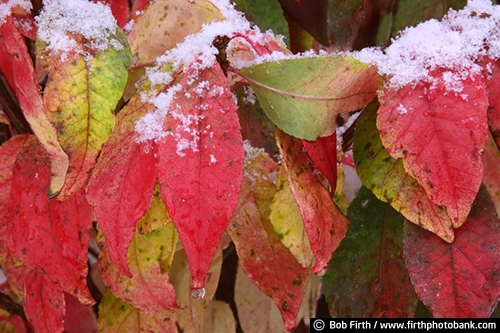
17 66
122 185
79 318
440 135
491 75
44 303
263 257
323 153
200 164
460 279
49 235
120 10
324 223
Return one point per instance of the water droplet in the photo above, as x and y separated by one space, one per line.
198 293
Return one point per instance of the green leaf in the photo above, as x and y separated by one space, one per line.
81 95
303 96
367 276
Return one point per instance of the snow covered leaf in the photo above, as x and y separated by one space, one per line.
439 133
256 312
218 317
288 224
388 180
149 257
323 153
367 276
324 224
46 234
461 279
17 66
120 10
263 257
192 303
44 303
78 318
167 23
200 164
115 316
303 96
8 156
123 181
81 94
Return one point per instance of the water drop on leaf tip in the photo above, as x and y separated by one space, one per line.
198 293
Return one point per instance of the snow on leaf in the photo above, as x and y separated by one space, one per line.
149 257
116 316
46 234
8 155
120 10
367 276
303 96
458 280
81 95
44 303
200 165
123 181
324 224
323 152
168 22
191 308
17 66
263 257
440 135
388 180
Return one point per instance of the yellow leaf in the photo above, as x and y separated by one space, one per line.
288 224
218 318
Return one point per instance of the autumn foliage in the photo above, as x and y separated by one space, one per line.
145 145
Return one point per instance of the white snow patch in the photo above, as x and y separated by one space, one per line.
6 8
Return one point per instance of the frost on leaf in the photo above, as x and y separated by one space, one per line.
389 181
48 235
440 138
87 77
17 66
265 260
200 163
149 289
461 279
324 223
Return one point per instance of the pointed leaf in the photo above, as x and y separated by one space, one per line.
149 257
388 180
16 60
44 303
263 257
168 22
122 184
324 224
256 312
461 279
439 134
49 235
192 308
81 95
115 316
367 277
304 95
200 164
